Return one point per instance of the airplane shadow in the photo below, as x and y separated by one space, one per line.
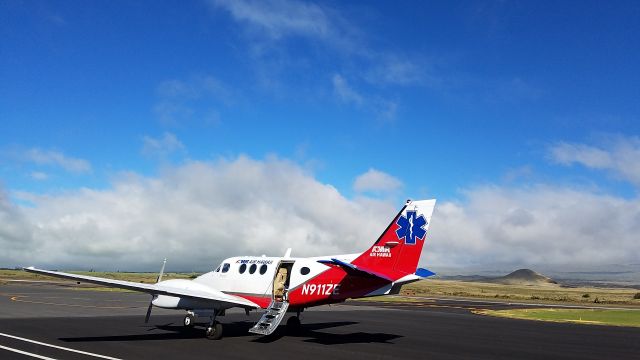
240 329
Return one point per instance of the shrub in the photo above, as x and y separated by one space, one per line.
636 296
586 296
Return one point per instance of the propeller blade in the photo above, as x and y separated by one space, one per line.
158 279
161 271
146 318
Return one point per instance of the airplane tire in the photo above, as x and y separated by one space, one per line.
214 332
293 325
188 321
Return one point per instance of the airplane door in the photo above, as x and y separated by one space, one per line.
281 280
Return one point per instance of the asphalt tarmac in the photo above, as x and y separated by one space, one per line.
44 321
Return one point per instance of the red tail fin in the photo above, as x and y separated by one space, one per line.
397 251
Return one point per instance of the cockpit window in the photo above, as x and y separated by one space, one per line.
225 267
218 269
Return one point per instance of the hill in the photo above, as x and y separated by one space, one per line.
524 277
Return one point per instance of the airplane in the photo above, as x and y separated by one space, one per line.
286 284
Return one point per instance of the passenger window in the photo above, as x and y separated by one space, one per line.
263 269
218 269
252 269
225 267
243 268
304 270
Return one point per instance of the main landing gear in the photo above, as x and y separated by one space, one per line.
214 330
293 324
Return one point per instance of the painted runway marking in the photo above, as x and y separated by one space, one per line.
26 353
57 347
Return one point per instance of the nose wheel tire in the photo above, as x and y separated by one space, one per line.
188 321
214 332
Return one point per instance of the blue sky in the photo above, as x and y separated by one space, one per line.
379 101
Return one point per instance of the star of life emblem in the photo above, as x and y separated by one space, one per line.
411 227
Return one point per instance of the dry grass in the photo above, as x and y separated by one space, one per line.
540 293
127 276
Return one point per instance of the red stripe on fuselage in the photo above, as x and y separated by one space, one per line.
262 300
331 286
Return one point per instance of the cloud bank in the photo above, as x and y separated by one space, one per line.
538 225
194 214
200 212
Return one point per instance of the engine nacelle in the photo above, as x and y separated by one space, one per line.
175 302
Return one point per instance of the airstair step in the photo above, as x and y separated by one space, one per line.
271 318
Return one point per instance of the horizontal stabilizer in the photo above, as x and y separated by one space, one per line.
353 268
424 273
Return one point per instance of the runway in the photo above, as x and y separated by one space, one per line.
83 324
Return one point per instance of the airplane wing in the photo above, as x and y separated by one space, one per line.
213 295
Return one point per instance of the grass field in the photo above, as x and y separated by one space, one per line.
521 293
128 276
581 316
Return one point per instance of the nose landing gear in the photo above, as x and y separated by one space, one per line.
188 321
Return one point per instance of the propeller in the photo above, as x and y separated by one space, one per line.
158 279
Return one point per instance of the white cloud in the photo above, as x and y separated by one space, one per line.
567 154
329 32
376 181
161 146
200 212
16 239
619 155
278 18
194 214
56 158
534 226
345 92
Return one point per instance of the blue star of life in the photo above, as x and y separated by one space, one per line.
411 227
